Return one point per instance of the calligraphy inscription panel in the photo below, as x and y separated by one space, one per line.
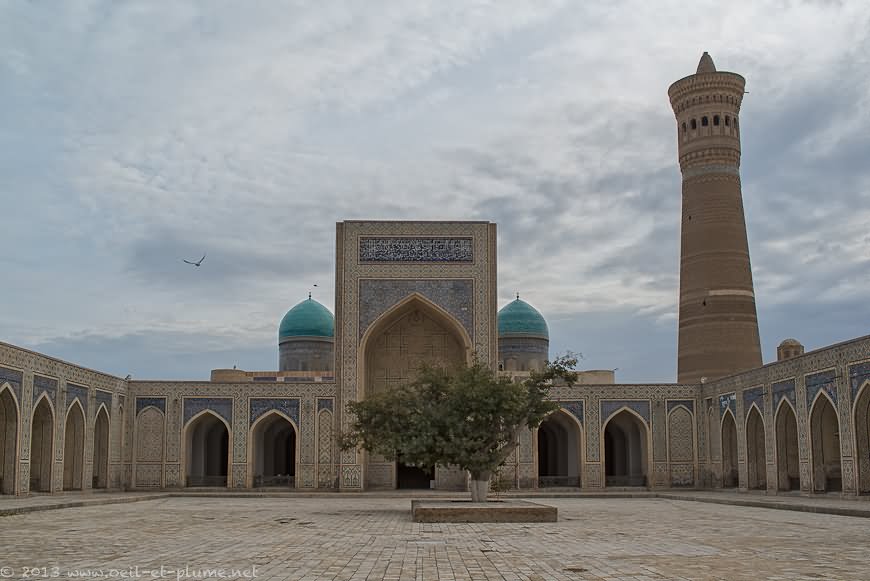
406 249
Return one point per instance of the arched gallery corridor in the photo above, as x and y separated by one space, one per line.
207 451
862 437
559 446
274 451
101 450
625 450
8 440
825 448
730 475
756 457
41 446
73 447
787 458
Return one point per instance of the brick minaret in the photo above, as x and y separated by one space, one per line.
718 327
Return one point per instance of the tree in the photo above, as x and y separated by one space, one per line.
470 417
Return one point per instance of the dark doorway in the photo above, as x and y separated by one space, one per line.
412 477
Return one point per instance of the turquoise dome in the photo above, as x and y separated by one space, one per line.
307 319
519 318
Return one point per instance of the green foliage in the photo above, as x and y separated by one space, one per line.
468 417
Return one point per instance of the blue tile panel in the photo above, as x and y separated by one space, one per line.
404 249
688 403
755 396
44 384
13 378
783 389
858 374
144 402
610 406
222 406
104 397
74 392
575 408
825 380
455 296
324 404
261 405
728 401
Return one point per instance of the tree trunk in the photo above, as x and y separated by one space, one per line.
479 486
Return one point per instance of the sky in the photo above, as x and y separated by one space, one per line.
137 134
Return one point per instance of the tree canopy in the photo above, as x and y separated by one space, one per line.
470 416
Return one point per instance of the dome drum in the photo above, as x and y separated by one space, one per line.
306 338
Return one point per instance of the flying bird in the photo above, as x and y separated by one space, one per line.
197 263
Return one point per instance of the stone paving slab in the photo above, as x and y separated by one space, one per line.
10 505
842 506
354 539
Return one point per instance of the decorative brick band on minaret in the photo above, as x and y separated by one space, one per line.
718 325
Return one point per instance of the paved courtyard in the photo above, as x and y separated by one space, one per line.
372 538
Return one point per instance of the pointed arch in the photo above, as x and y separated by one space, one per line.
100 477
273 452
825 444
42 444
728 440
681 445
415 300
10 420
207 452
625 447
413 331
861 419
756 456
559 446
74 446
149 430
786 448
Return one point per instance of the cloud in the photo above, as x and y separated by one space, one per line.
138 134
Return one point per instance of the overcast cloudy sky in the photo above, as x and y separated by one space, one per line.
135 134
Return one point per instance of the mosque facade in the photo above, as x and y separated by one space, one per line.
412 292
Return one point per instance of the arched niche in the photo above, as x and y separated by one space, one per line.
274 451
413 332
756 457
41 445
825 445
101 449
74 447
559 448
626 449
787 455
207 450
730 474
9 420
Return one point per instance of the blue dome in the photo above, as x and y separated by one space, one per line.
520 319
307 319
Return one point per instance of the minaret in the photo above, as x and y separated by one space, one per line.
718 326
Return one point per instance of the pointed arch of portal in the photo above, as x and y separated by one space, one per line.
273 455
786 454
728 440
560 450
825 444
625 447
10 419
412 332
207 450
